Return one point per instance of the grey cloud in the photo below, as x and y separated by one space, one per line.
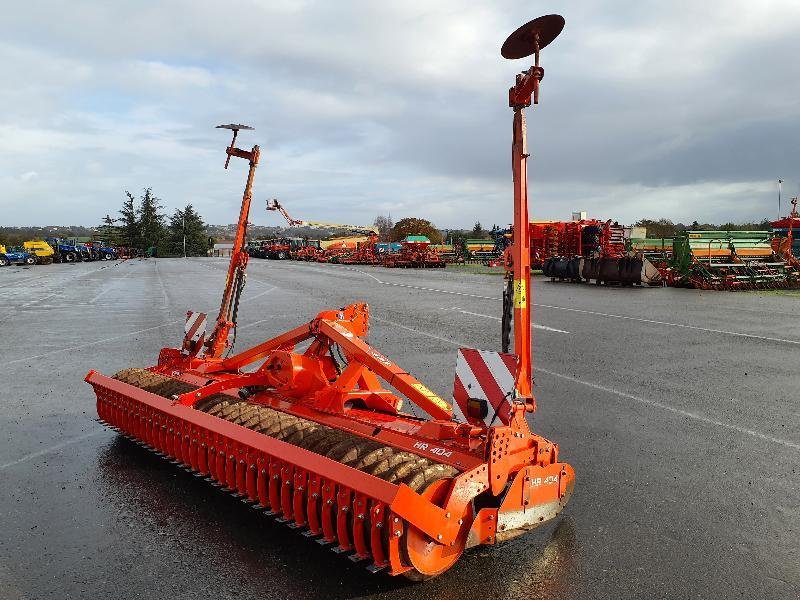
364 107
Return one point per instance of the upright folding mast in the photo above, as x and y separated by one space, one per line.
226 319
528 39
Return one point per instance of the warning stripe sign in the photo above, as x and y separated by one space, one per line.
488 379
195 330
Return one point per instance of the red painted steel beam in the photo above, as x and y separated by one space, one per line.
398 378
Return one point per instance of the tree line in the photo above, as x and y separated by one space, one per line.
656 228
389 231
664 228
142 224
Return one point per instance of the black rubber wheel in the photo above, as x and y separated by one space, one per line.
3 261
69 257
30 260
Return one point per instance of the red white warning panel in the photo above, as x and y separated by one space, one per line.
484 387
195 330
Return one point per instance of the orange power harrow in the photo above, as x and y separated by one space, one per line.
309 426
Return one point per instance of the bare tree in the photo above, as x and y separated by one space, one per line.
384 225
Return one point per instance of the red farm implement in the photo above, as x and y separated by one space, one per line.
361 253
589 250
308 426
415 253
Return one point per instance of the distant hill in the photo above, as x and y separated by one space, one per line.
17 235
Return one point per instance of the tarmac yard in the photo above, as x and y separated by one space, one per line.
678 410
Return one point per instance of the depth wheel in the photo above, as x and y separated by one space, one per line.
427 557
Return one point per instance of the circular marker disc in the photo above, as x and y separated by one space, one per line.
234 126
520 43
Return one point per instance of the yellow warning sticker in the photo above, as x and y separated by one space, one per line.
520 293
431 396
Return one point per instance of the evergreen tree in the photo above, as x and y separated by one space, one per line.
189 223
130 223
109 231
151 222
477 231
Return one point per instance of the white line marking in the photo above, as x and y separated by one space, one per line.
695 327
161 283
250 276
535 325
599 314
654 403
109 287
365 273
417 287
32 302
50 450
677 411
10 284
426 289
110 339
253 324
265 292
417 331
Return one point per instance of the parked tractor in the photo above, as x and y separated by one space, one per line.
99 250
16 256
255 249
64 251
282 248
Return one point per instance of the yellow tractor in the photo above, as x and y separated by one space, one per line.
44 252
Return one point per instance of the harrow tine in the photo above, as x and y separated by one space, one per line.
357 558
375 569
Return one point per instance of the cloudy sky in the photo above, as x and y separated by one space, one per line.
684 110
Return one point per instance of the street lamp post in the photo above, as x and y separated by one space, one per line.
183 218
780 181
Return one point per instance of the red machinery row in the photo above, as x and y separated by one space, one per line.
413 252
585 250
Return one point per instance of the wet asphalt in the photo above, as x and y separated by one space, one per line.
678 409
